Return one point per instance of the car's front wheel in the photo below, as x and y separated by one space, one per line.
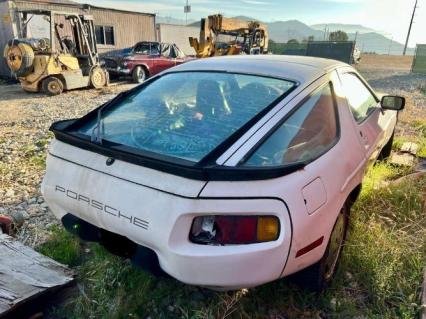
139 74
317 276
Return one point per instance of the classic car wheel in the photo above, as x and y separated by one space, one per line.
52 86
139 74
317 276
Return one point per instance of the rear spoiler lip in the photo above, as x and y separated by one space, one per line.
168 164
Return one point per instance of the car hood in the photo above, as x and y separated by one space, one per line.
118 54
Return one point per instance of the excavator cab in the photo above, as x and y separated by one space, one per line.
56 51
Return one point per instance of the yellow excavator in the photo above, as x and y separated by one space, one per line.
67 60
230 36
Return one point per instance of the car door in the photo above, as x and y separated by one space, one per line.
373 125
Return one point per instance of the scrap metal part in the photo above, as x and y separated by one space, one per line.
6 224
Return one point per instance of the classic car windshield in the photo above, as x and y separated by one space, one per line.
187 114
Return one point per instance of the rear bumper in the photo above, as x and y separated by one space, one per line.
161 222
215 268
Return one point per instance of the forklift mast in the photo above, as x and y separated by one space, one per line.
82 32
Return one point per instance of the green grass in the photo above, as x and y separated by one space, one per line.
35 152
379 276
62 247
420 127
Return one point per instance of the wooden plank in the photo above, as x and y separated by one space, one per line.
26 274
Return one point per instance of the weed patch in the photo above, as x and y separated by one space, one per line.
62 247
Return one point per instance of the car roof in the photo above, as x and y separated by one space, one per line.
300 68
154 42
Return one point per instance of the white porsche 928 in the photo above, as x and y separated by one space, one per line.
225 172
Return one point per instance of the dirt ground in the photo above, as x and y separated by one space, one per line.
25 120
385 62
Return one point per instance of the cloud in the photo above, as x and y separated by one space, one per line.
255 2
344 1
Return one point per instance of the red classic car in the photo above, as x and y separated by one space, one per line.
143 60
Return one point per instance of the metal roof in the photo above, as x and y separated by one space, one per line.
79 5
299 68
67 2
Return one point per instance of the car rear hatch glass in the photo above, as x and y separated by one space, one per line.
185 115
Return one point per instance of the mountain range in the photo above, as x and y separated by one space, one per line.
367 39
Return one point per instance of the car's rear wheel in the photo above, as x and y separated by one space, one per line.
318 276
139 74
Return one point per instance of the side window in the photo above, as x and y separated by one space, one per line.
308 133
104 35
359 97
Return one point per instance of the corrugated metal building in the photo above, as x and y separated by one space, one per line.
179 35
115 29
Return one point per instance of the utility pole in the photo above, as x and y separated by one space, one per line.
390 45
187 9
409 29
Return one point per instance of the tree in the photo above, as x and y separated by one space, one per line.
338 35
309 39
292 41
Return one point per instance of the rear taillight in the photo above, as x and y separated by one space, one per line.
234 230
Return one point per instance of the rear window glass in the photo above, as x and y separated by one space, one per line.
187 114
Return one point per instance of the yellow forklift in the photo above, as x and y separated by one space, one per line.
67 60
230 36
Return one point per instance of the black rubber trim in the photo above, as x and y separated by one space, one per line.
178 167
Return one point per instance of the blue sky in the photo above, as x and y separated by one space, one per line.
390 17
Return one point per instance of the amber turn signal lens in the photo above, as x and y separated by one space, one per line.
268 228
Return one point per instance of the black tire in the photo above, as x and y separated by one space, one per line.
387 149
52 86
139 74
317 276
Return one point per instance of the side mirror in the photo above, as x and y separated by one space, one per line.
392 102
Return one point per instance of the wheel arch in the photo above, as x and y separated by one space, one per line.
354 194
144 66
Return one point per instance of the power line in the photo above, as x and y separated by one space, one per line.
409 29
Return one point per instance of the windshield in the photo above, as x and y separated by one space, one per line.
187 114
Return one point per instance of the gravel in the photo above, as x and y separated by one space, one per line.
24 137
